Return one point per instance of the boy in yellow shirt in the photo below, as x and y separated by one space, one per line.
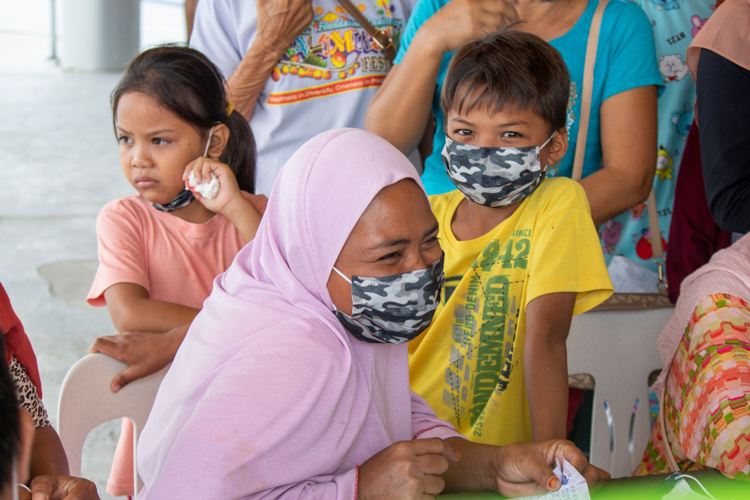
522 255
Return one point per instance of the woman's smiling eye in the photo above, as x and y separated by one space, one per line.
124 139
158 141
390 256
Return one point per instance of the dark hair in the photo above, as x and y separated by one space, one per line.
508 68
9 421
184 81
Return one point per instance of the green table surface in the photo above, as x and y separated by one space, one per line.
646 487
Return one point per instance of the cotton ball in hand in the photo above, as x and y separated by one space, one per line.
207 189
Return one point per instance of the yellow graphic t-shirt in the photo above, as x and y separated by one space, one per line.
468 365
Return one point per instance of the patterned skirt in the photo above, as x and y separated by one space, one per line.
707 402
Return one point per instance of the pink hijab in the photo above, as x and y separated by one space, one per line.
269 397
728 271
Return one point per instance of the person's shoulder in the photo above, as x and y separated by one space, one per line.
425 8
440 202
626 9
623 16
560 193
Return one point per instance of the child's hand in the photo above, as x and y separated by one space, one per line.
144 352
229 190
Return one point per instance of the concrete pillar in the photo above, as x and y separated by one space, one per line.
99 35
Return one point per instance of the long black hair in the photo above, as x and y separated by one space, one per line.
184 81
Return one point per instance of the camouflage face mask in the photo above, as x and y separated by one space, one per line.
494 177
394 309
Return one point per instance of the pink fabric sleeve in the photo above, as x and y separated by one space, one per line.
424 422
122 252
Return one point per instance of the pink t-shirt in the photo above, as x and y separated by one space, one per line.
175 260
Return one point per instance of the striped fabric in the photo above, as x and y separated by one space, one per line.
707 401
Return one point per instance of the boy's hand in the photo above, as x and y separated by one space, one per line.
229 190
523 469
460 21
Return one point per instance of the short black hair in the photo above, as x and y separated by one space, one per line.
508 68
184 81
9 421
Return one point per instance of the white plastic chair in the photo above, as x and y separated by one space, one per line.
618 348
86 402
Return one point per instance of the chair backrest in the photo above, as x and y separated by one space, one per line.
86 402
618 348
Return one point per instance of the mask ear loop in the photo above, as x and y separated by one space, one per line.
547 141
544 170
208 142
342 275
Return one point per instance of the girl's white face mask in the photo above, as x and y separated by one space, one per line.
494 177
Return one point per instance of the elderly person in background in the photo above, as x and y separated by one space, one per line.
296 68
293 380
48 465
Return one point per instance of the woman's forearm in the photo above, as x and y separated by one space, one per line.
546 373
47 456
248 79
629 146
612 191
400 109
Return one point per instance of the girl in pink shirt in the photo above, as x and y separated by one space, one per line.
160 250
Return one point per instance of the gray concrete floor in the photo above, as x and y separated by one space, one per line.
59 166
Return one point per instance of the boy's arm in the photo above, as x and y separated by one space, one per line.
546 364
132 310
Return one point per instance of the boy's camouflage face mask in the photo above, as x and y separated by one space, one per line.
393 309
494 177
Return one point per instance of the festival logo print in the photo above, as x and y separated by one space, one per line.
335 54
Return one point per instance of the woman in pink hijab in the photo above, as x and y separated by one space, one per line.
293 381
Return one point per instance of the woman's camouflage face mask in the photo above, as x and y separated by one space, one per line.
393 309
494 177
